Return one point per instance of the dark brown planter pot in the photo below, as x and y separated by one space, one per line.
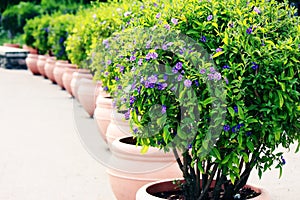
146 192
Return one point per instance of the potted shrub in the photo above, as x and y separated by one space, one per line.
226 97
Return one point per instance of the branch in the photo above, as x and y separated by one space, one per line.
207 186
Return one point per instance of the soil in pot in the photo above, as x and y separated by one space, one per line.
170 189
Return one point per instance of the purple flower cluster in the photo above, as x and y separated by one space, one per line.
226 67
249 30
174 21
203 39
151 55
219 50
187 83
209 17
235 108
254 66
163 109
256 9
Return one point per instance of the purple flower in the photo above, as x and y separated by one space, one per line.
179 78
203 39
154 55
202 71
254 66
174 70
106 73
127 115
162 86
152 79
187 83
219 49
255 9
210 76
131 100
217 76
196 83
226 80
231 25
158 15
132 58
209 17
283 162
235 108
190 146
212 70
106 42
119 87
148 45
140 62
135 130
122 68
226 128
182 71
155 4
164 47
117 78
109 62
163 109
233 129
226 67
61 40
105 88
165 77
249 30
178 66
167 26
174 21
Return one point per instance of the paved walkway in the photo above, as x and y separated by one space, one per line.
42 157
41 154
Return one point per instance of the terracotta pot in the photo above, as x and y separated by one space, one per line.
41 64
117 127
30 49
86 95
146 192
81 73
50 68
102 114
59 70
138 169
31 62
11 45
67 77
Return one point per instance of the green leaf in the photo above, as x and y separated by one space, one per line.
217 153
231 111
281 101
218 54
241 113
144 149
277 135
226 159
250 146
232 177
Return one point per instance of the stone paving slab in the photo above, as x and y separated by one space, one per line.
41 155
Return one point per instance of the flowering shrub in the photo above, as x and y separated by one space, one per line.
41 33
95 24
59 28
226 110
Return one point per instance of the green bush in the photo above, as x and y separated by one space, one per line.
41 33
237 80
59 28
95 24
29 29
14 18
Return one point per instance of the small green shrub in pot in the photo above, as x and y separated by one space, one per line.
216 80
59 28
95 24
41 34
30 27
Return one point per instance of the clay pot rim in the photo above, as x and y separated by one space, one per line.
150 186
122 149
